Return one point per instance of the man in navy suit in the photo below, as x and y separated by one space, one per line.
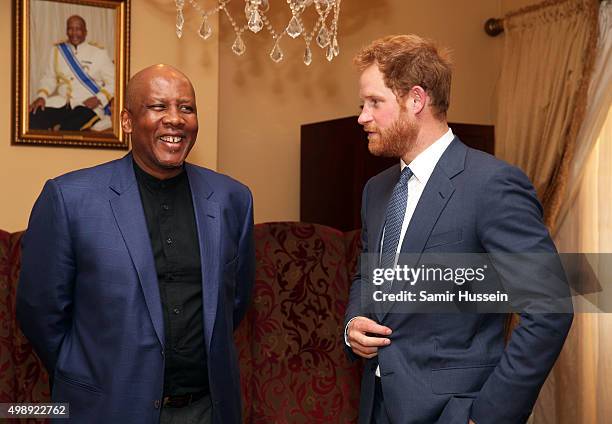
443 197
135 273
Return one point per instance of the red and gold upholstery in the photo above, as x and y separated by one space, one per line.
22 375
8 382
294 369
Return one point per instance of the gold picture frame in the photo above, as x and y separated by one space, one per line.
58 59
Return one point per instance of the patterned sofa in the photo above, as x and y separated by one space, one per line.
293 366
22 376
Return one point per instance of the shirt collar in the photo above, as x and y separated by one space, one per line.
154 183
423 165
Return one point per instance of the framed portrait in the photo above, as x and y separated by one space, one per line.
70 69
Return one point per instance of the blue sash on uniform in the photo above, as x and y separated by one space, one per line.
80 73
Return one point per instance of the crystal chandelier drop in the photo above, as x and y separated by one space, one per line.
324 31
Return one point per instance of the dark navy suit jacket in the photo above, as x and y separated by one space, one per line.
446 368
88 297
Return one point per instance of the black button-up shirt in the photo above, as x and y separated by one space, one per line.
172 228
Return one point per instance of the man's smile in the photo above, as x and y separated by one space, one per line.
174 139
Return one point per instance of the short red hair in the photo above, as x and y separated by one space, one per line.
409 60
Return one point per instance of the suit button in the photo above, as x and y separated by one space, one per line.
157 403
162 352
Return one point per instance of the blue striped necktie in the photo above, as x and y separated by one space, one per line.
396 209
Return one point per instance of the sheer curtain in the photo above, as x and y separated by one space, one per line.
578 390
48 26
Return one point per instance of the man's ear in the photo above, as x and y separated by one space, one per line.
126 121
417 99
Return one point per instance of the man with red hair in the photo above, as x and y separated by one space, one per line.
443 198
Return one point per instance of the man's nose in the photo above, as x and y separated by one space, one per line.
173 117
364 117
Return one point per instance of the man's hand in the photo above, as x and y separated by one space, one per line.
92 103
39 103
360 331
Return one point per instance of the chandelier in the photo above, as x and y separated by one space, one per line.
324 31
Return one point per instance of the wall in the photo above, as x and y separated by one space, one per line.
263 104
25 168
514 5
253 126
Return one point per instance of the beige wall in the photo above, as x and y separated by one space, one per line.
513 5
263 104
24 169
253 126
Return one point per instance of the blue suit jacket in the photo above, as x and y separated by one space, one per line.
446 368
88 297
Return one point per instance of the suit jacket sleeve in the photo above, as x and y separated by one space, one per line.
510 221
44 294
245 276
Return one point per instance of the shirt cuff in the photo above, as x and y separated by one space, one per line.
103 99
346 331
42 93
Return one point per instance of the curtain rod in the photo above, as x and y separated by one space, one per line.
495 26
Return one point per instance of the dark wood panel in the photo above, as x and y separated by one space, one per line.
481 137
336 164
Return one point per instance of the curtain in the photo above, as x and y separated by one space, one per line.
599 98
548 56
48 26
578 389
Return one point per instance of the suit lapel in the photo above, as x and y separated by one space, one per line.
437 192
126 205
207 215
434 198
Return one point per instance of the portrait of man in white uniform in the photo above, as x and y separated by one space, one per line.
72 72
